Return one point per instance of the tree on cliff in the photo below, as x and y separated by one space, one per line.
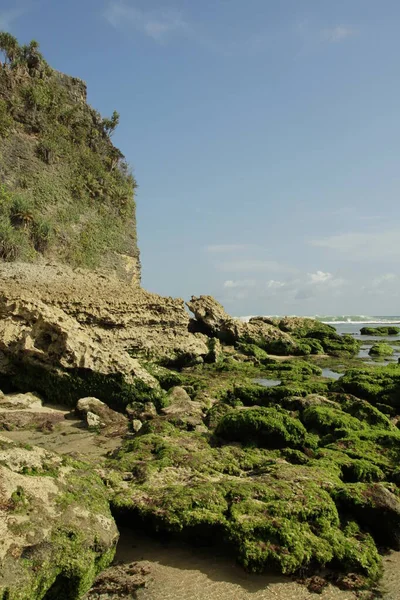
9 47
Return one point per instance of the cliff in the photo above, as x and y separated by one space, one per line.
66 192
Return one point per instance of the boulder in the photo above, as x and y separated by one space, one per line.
49 351
93 421
376 508
99 415
182 411
57 532
381 350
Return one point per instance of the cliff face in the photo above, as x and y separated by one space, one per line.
66 192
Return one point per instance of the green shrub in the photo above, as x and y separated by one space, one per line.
14 244
6 120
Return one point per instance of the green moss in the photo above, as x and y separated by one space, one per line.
378 385
269 427
68 387
380 331
381 350
252 350
252 394
327 420
274 515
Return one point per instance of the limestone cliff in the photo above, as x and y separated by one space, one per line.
66 192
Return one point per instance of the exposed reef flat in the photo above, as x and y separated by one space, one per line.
291 480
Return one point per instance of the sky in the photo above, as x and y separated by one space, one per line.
264 136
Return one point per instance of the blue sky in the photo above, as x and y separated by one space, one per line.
264 135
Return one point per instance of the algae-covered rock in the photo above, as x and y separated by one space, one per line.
319 336
57 532
376 507
272 513
269 427
378 331
378 385
381 350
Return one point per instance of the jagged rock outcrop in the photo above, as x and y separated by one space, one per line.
46 350
212 319
56 529
118 316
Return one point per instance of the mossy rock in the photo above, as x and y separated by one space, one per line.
59 530
273 514
67 387
253 351
378 331
254 394
376 507
268 427
381 350
378 385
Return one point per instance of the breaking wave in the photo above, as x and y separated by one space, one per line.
341 319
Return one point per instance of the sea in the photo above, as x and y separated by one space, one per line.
350 324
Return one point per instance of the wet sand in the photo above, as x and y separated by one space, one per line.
180 572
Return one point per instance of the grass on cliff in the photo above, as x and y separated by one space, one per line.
66 192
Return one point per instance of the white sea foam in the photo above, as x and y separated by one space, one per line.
343 319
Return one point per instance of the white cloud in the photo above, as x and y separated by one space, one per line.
275 285
337 34
157 24
362 246
244 283
320 277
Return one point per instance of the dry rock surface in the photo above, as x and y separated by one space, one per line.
212 319
26 411
98 414
100 310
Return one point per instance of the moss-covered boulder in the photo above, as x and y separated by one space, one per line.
378 331
376 507
273 514
268 427
319 336
381 350
379 385
57 532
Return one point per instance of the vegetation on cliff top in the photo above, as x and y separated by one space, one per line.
66 192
